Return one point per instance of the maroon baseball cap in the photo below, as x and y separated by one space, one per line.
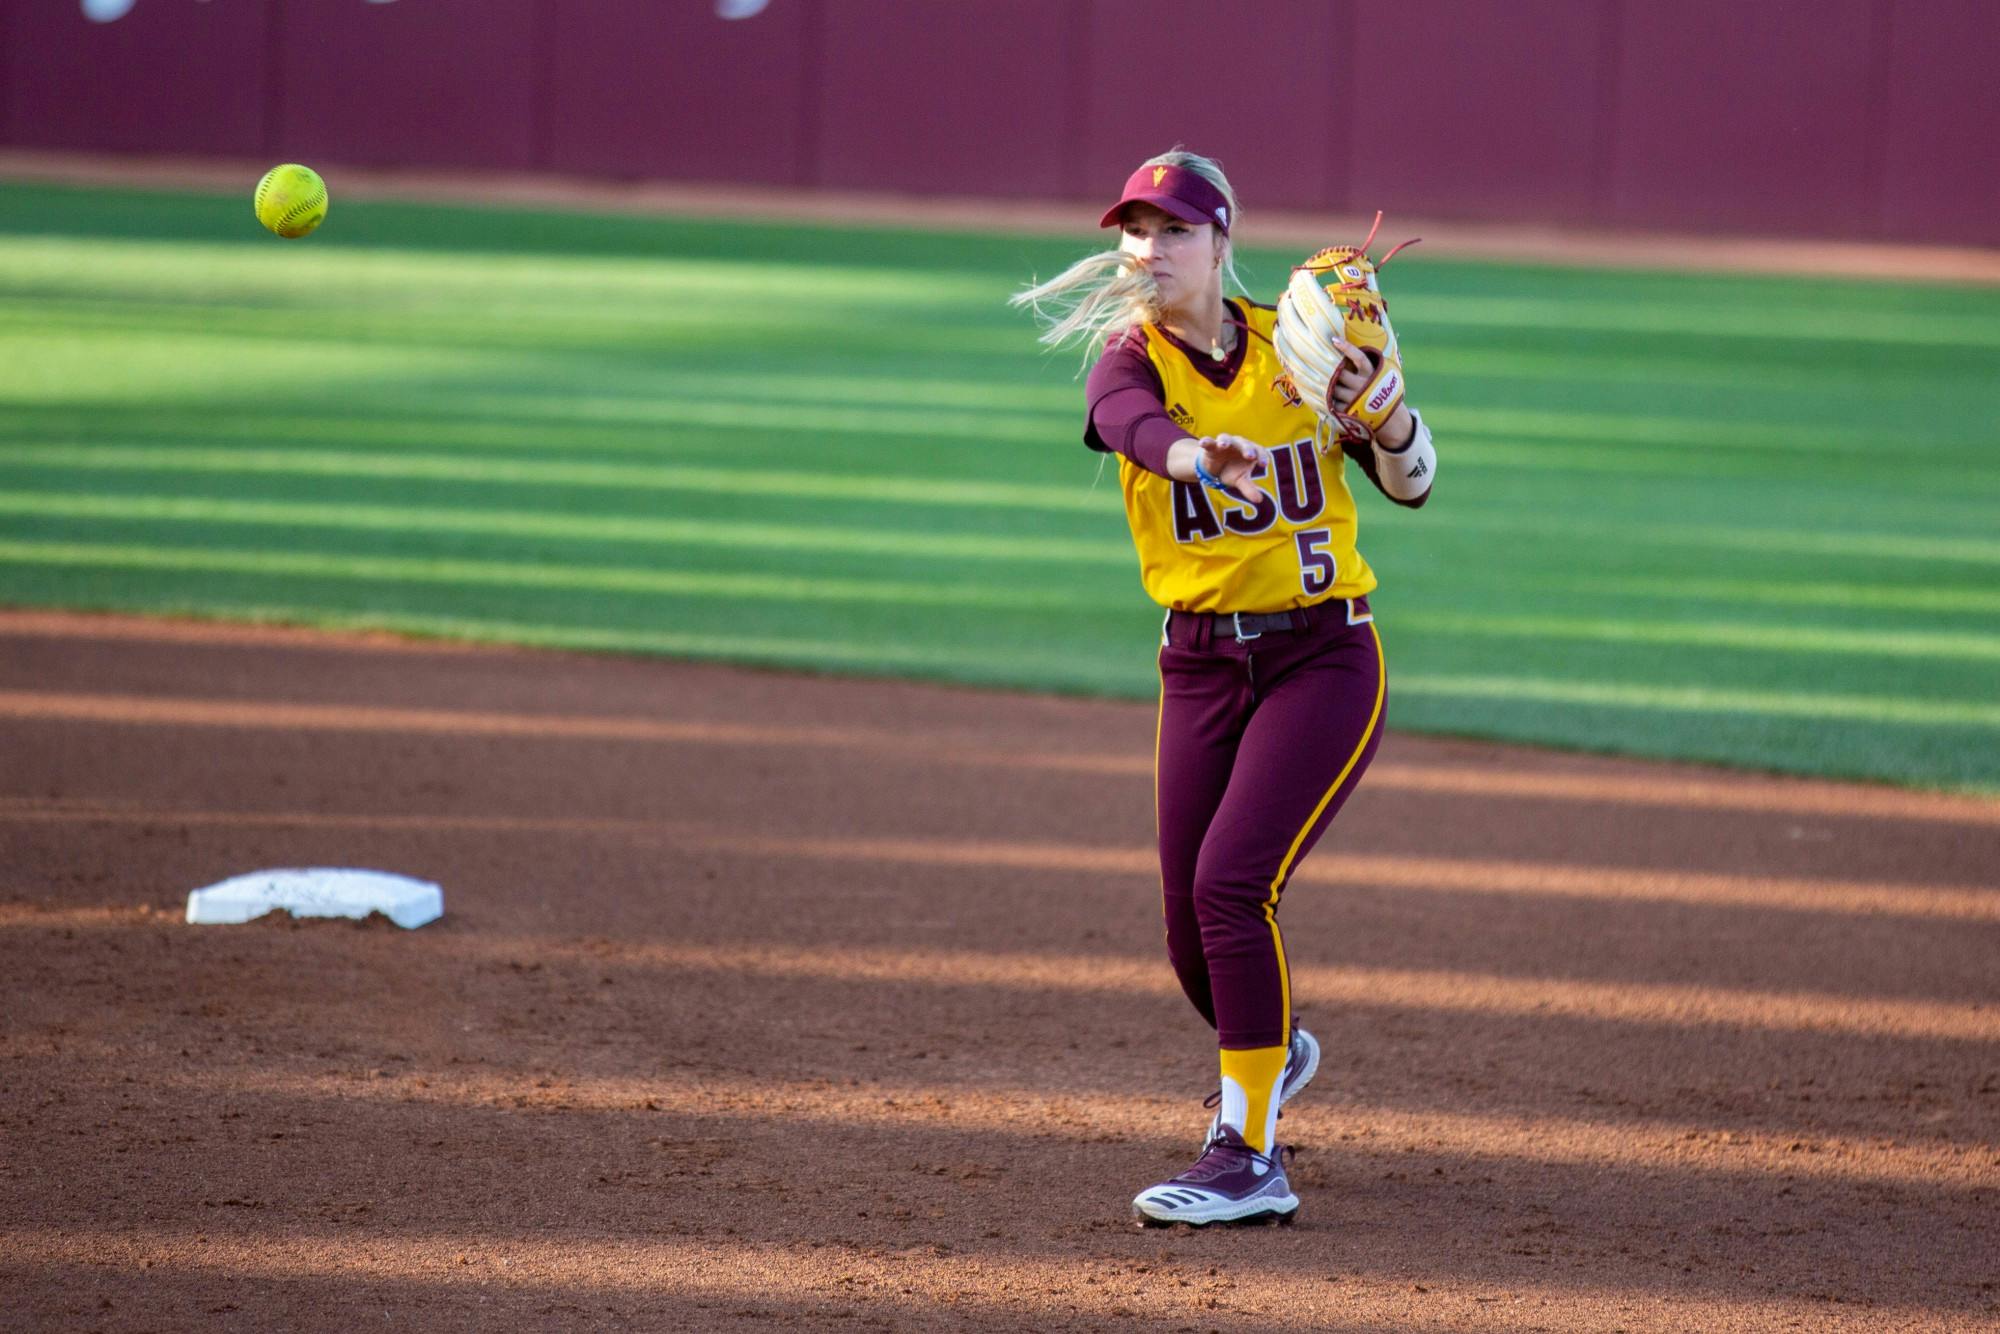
1187 195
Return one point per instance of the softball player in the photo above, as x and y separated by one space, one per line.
1272 685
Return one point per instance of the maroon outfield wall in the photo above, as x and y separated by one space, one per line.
1850 118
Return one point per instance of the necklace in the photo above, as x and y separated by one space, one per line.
1219 346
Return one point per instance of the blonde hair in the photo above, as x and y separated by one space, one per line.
1102 295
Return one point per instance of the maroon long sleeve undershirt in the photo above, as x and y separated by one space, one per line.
1127 411
1127 402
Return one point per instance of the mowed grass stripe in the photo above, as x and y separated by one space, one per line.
992 663
1522 453
1698 699
331 274
558 416
1785 638
1713 323
404 520
724 477
685 328
1658 430
1796 593
1691 373
703 584
648 395
1847 546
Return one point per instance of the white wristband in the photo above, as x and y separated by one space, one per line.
1406 473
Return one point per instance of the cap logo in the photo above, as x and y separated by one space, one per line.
1222 216
1159 174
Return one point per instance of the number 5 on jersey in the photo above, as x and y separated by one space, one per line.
1317 568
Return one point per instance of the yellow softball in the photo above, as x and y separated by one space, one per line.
291 200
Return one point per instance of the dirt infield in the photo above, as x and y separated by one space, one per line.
764 1000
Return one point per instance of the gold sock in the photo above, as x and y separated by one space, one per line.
1250 1093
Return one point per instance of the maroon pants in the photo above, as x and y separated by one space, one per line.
1260 743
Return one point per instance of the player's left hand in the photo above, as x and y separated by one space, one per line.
1358 370
1355 372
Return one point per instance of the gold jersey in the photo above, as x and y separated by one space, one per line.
1205 550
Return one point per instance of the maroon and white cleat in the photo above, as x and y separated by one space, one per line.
1230 1183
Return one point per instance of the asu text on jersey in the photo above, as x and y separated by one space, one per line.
1203 550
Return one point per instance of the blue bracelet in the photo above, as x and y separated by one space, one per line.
1208 478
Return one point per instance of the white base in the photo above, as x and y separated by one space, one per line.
318 891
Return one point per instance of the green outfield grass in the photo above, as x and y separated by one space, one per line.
1750 520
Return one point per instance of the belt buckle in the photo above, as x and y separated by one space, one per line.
1236 617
